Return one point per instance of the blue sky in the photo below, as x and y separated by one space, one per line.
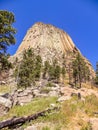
79 18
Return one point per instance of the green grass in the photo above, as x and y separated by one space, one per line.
4 89
70 114
56 119
46 128
86 126
37 105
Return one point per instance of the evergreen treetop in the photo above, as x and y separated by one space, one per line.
6 30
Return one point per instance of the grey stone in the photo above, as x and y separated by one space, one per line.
94 123
6 102
2 82
31 128
64 98
36 92
53 93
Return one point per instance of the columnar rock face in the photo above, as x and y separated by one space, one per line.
50 42
45 35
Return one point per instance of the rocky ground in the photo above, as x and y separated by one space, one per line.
64 93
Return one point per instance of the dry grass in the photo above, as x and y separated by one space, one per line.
90 86
73 114
5 89
78 112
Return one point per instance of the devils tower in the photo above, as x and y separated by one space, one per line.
46 35
50 42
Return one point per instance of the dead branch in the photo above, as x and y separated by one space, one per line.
21 120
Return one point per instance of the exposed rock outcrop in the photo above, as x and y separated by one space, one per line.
45 35
5 104
50 42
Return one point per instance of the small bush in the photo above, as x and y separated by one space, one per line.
87 126
49 84
46 128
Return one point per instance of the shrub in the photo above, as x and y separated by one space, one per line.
46 128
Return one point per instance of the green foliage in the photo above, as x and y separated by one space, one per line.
81 72
49 84
6 38
46 68
54 71
46 128
6 30
51 72
71 111
25 74
63 71
57 120
87 126
38 66
57 72
58 127
5 65
37 105
29 69
96 78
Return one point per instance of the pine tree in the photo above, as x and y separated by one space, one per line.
6 38
57 72
38 67
96 79
6 30
63 72
46 68
54 71
75 72
25 72
29 69
80 70
51 72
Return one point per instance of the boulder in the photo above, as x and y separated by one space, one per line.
24 99
2 82
2 110
63 98
36 92
31 128
5 105
53 93
94 123
5 102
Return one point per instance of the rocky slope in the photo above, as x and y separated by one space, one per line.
50 42
45 35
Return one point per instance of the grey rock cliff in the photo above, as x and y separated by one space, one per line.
50 42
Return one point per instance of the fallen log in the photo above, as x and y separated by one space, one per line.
21 120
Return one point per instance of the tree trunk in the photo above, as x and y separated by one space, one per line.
14 122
